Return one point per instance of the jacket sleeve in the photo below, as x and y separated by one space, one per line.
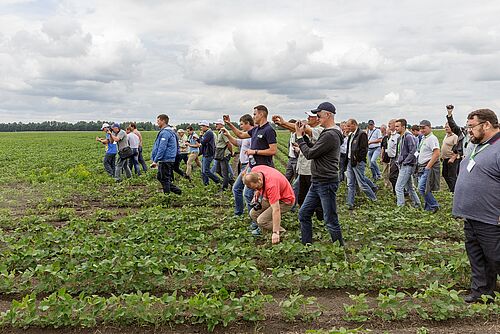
162 145
411 144
453 126
206 138
320 148
363 145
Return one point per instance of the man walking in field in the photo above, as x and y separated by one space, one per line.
207 150
374 140
357 149
405 161
477 200
119 136
428 166
133 126
324 155
223 153
163 155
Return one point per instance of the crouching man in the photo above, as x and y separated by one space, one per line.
273 197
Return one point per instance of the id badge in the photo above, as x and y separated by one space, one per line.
470 165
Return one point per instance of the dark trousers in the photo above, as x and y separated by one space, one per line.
177 166
110 163
342 166
304 185
291 169
141 160
164 175
324 194
393 174
482 242
450 173
223 170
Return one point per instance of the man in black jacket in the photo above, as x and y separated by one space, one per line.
325 155
464 146
357 148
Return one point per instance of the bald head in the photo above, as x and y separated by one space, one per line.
253 180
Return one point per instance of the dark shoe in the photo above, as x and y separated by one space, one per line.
472 298
253 226
256 232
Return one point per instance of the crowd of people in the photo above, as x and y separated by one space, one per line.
321 155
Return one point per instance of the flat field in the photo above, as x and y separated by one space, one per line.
80 253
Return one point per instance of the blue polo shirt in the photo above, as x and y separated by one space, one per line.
262 137
111 146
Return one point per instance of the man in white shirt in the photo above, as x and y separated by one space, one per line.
134 143
428 167
374 141
246 124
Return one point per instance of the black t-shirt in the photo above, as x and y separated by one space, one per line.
384 142
262 137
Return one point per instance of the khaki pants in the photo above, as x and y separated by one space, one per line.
193 157
264 217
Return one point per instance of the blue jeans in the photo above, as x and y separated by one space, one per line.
324 194
238 187
215 166
206 173
405 181
373 154
134 161
141 160
357 175
430 201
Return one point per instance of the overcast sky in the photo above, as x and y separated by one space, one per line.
193 60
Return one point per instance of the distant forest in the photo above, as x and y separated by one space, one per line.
79 126
96 126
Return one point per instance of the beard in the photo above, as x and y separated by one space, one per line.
477 139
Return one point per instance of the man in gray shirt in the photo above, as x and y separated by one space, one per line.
477 200
325 155
119 136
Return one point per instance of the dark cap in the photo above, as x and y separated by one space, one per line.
371 122
326 106
425 123
115 125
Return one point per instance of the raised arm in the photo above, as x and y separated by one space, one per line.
237 132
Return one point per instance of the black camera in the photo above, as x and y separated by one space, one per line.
449 106
256 205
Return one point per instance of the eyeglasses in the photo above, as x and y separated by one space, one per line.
470 127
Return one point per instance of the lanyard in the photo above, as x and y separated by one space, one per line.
474 153
422 141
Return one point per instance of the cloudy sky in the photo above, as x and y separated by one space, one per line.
131 60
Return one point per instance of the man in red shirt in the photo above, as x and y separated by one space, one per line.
275 195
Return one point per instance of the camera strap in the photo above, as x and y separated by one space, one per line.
261 195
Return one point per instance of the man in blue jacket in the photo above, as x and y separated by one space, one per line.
164 153
406 161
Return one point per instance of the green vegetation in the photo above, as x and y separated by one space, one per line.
78 249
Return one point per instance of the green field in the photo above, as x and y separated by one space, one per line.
79 250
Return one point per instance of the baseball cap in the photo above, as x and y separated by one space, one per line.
219 121
181 130
104 125
116 125
204 123
425 123
311 114
371 122
327 106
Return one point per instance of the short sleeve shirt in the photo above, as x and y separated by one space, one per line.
133 140
221 142
244 145
123 142
276 186
373 135
193 140
428 144
392 144
304 165
262 137
111 146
